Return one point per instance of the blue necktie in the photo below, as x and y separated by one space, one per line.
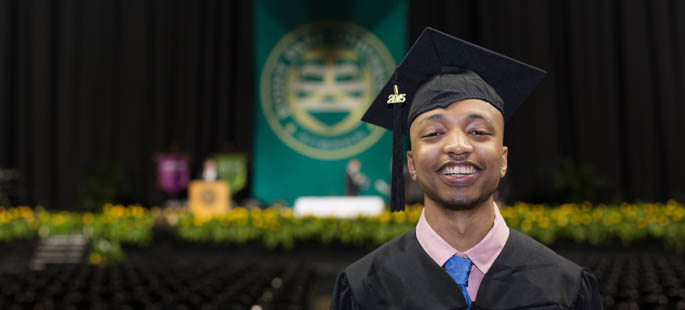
459 268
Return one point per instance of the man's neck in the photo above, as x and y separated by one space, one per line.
462 229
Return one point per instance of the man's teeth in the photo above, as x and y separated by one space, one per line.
459 170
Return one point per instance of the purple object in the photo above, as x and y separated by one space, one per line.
173 173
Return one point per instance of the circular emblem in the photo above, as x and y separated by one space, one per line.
317 83
208 197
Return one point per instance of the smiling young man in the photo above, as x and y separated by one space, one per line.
452 99
458 158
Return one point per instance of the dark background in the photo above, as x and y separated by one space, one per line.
91 90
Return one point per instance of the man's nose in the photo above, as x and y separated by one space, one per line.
457 142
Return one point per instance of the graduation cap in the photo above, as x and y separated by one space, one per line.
439 70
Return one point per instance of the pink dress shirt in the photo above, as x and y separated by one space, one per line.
482 254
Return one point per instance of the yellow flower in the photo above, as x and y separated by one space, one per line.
25 212
384 218
587 219
625 206
269 213
641 223
258 222
115 211
569 208
238 214
586 206
58 219
13 213
512 221
670 208
575 220
399 217
415 213
287 213
543 222
521 207
671 202
87 218
95 258
663 221
136 210
562 220
526 225
345 226
505 211
678 214
198 221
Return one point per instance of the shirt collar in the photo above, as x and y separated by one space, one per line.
483 254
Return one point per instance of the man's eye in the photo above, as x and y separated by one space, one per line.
432 134
480 133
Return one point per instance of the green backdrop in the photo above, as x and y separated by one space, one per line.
318 69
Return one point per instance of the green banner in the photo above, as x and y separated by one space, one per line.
318 69
232 168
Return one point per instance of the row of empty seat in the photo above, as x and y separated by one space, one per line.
637 280
181 276
192 285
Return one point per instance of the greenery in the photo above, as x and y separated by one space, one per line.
277 227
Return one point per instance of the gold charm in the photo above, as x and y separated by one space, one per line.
396 97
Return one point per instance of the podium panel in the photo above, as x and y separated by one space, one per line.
208 199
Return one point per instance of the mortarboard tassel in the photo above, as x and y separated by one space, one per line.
397 184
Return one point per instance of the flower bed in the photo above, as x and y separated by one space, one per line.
277 227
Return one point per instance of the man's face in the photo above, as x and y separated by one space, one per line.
456 153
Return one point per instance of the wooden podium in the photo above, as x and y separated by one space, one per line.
209 198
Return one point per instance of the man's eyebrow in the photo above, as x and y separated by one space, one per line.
473 116
434 117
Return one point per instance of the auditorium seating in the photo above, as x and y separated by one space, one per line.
628 280
195 285
637 280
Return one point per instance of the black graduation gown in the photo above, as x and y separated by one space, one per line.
526 275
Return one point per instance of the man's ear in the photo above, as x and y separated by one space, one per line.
410 165
505 153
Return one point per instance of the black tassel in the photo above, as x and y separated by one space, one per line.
397 184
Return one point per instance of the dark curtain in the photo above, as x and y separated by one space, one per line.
93 83
611 103
102 86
